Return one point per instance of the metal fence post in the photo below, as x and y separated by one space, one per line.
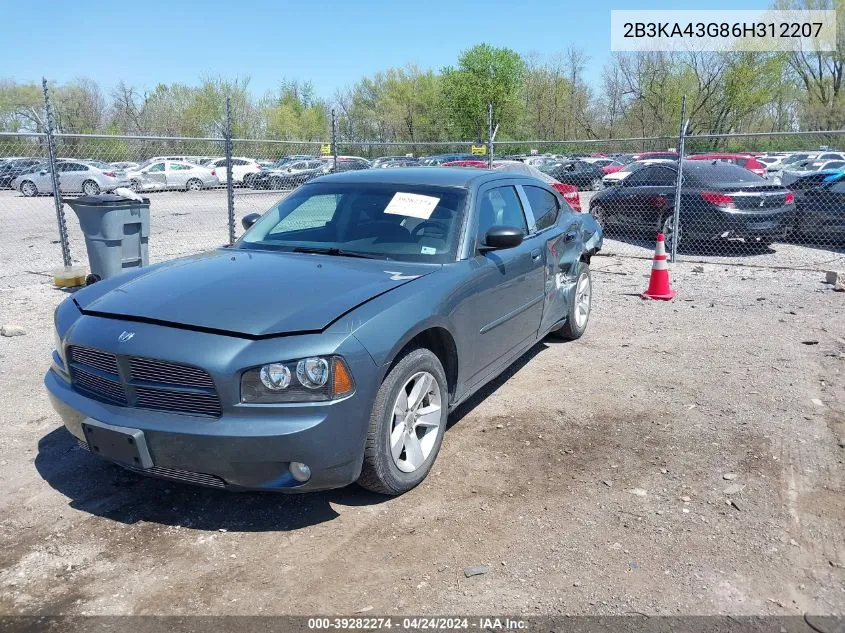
677 210
54 176
334 140
230 187
490 135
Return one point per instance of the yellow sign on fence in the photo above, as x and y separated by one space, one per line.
325 150
479 150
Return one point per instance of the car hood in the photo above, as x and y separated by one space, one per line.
247 293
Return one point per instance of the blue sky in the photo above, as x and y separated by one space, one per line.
329 42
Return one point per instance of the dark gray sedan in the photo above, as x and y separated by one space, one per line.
329 344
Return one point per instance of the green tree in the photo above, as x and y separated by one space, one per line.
484 75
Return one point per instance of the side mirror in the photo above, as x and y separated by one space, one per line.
43 172
499 237
289 170
248 220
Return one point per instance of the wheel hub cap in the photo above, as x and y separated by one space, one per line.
416 420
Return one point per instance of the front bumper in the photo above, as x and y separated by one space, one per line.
249 447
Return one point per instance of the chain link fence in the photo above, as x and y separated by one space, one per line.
725 213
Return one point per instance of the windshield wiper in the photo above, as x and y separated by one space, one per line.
337 252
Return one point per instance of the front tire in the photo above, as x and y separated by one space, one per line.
580 306
599 216
29 189
670 234
406 425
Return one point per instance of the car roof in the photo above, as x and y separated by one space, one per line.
435 176
703 156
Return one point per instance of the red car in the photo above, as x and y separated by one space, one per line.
612 167
481 164
567 192
743 160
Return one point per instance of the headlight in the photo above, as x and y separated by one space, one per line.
312 372
305 380
57 356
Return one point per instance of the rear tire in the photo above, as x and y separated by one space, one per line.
28 189
579 308
596 185
382 472
599 216
90 188
194 184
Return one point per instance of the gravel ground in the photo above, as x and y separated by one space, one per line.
681 458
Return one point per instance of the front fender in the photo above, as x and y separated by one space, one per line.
386 324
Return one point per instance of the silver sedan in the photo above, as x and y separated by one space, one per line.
172 174
74 177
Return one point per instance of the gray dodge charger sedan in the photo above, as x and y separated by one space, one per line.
328 344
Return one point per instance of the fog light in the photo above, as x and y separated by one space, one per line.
300 471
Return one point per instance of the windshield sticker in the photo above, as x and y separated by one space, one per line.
428 250
412 205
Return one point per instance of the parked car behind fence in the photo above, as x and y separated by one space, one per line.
172 174
73 176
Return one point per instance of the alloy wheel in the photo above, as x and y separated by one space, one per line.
416 420
583 299
670 234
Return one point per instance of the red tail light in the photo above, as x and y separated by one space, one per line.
789 198
213 172
718 199
570 194
109 173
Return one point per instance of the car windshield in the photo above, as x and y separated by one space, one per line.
414 223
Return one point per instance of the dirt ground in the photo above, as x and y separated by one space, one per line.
681 458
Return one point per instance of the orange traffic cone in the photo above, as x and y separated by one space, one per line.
658 284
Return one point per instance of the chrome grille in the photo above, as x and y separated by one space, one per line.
93 358
98 386
170 373
201 403
143 382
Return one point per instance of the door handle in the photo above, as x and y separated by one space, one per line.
570 236
536 254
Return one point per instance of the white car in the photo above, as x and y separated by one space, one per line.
618 176
172 174
125 165
241 168
74 177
